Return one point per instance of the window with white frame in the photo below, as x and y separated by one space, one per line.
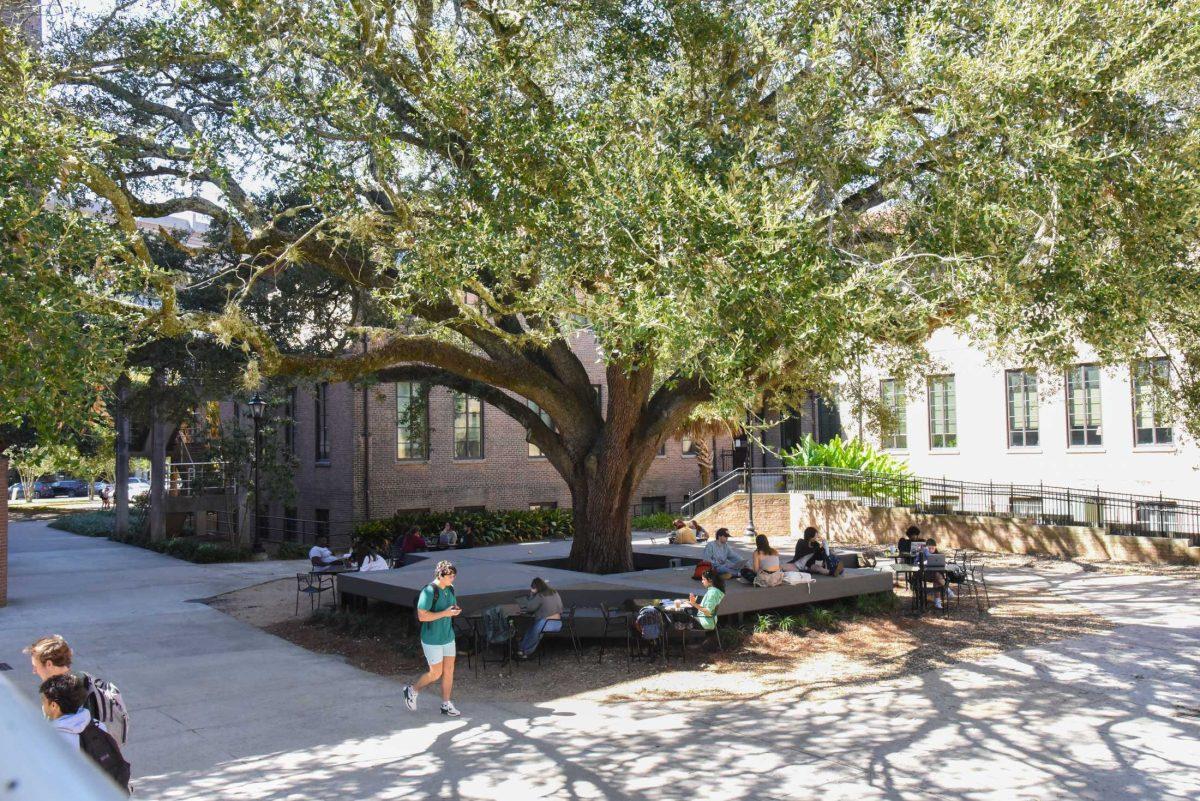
468 427
1151 424
895 426
412 421
1022 400
943 425
1083 406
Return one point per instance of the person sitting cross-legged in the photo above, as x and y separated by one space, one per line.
546 606
720 554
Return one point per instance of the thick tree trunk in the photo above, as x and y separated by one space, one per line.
603 537
158 461
121 475
704 461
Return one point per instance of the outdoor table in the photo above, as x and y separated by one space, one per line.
671 615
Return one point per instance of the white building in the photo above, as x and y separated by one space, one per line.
1092 427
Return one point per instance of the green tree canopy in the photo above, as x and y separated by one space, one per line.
734 197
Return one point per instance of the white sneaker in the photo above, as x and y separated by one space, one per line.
951 593
937 603
410 697
448 708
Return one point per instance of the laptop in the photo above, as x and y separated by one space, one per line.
935 560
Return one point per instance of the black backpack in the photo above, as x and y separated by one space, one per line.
104 751
437 591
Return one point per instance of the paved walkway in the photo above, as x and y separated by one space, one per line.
224 711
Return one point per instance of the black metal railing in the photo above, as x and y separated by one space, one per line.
1042 504
279 529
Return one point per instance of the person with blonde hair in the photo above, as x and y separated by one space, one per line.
51 656
437 605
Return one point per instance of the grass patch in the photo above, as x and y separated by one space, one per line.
656 522
87 524
827 616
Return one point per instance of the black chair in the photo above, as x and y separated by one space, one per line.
696 627
312 585
616 620
505 649
568 629
466 639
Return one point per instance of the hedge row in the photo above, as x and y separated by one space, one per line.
101 524
491 528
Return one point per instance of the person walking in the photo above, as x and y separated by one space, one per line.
437 605
51 656
63 696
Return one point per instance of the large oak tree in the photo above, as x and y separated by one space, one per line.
735 197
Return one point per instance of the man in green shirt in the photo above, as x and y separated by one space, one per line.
436 607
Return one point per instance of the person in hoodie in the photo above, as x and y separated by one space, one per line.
64 699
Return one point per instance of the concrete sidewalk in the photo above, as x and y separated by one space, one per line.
224 711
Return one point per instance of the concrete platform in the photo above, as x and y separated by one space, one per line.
497 574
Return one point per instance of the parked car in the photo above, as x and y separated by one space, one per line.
138 487
41 489
70 488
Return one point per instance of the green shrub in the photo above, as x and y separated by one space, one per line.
88 524
766 623
732 637
822 619
491 528
656 522
877 603
291 550
888 476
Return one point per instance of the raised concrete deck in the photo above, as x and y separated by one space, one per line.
488 576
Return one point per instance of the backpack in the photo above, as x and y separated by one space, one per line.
104 751
437 591
699 571
833 563
649 623
107 706
497 628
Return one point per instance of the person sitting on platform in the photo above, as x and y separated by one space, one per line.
448 538
467 538
368 559
546 606
322 559
766 571
682 534
806 546
706 607
701 533
720 554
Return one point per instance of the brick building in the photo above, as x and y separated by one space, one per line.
362 455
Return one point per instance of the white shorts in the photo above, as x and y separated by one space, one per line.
434 654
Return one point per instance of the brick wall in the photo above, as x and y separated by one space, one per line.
772 515
4 537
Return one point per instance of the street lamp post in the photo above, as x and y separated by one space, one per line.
257 407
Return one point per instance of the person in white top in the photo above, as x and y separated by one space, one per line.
322 559
448 538
369 559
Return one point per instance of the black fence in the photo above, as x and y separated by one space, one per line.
1117 513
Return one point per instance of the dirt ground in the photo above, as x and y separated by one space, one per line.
775 664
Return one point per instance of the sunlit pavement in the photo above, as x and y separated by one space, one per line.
222 710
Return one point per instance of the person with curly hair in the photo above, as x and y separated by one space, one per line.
436 607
